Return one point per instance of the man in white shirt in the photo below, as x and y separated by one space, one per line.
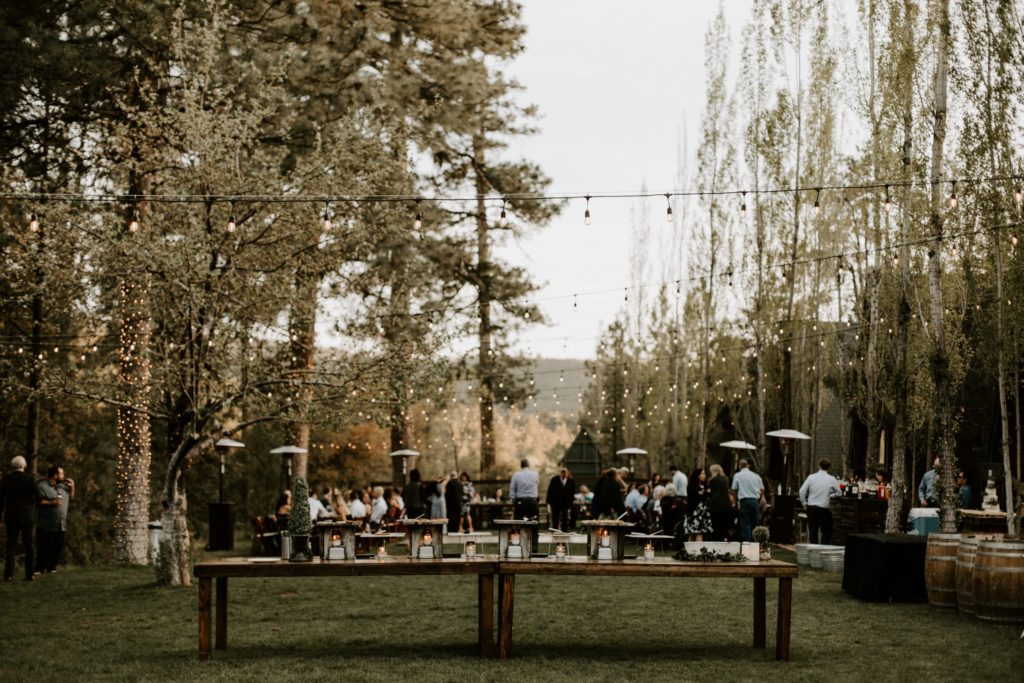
316 508
523 490
356 508
748 488
678 480
815 494
637 498
379 506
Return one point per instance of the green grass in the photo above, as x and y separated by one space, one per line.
114 624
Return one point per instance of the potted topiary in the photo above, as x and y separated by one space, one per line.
299 524
761 538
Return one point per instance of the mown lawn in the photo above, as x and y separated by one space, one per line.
115 624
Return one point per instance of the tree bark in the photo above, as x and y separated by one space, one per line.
485 364
302 336
134 449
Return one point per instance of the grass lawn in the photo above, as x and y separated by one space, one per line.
114 624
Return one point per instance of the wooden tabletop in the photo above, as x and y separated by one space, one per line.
661 566
240 566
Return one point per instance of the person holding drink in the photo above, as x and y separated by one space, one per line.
55 494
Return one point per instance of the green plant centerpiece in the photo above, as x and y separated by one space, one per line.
708 555
761 536
299 524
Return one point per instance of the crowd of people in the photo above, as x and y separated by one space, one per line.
36 515
380 507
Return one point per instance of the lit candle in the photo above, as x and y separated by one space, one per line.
382 551
648 552
335 539
606 542
559 550
428 538
513 538
470 549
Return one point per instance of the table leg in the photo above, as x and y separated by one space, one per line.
221 642
485 608
506 596
759 612
204 617
785 614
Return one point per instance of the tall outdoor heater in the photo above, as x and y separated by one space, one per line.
784 503
222 518
631 454
287 454
736 446
400 466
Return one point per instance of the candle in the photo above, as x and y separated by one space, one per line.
470 549
513 538
335 539
428 538
382 551
559 550
648 552
606 542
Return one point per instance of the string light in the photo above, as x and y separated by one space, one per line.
418 221
952 197
668 211
327 217
586 213
231 219
888 200
1018 194
817 201
743 206
503 219
33 222
133 226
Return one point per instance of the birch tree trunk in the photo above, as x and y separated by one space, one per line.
302 342
485 365
940 353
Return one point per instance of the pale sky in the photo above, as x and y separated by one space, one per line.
616 84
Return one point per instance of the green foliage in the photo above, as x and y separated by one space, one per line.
299 523
761 534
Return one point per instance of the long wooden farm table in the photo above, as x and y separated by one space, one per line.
222 570
485 568
759 572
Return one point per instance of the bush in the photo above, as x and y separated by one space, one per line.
299 523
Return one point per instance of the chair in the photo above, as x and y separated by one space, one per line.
266 539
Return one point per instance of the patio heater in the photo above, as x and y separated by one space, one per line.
287 454
400 466
221 513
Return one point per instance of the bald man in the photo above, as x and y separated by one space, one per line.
18 498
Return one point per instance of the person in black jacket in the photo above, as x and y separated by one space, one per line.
560 496
453 501
18 498
412 495
608 503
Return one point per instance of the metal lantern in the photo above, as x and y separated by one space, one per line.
606 538
517 538
559 546
426 538
337 540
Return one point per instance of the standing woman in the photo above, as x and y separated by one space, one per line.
698 516
435 494
412 495
468 494
453 502
720 503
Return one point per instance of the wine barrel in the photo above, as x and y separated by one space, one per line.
965 569
998 581
940 569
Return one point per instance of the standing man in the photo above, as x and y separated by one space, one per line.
18 497
678 480
560 496
55 493
453 501
523 490
748 488
815 494
926 493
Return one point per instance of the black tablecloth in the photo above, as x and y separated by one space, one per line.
885 567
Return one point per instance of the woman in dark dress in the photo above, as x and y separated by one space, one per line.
412 495
608 503
698 516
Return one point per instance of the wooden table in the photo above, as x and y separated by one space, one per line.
484 568
759 572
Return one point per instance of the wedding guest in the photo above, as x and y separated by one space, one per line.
698 516
678 479
435 496
816 493
749 487
412 494
673 512
316 508
926 492
963 491
468 497
720 503
378 508
356 508
524 488
55 493
18 497
560 495
453 501
607 502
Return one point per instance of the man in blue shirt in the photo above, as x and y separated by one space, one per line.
815 495
926 492
523 490
748 488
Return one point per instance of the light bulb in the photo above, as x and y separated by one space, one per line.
327 217
586 214
231 224
417 222
33 222
668 210
743 206
133 226
503 219
888 200
952 197
1013 239
817 203
1018 195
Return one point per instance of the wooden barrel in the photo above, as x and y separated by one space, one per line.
965 569
940 569
999 581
